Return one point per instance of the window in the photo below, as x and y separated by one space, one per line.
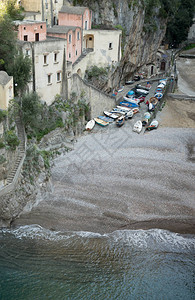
69 38
90 38
45 59
41 26
36 37
110 46
25 38
78 35
76 52
27 52
58 76
24 28
55 57
49 78
85 25
69 55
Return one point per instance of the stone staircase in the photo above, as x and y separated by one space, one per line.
21 152
84 53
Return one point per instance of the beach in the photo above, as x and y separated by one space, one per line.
117 179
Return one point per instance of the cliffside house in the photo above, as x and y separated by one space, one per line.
42 10
6 90
48 58
73 37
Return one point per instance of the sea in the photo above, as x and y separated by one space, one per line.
37 263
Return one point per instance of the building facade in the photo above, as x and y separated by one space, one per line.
75 16
48 59
73 38
6 90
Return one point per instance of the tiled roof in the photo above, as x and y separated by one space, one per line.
61 29
76 10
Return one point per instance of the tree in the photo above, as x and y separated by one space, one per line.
11 60
20 69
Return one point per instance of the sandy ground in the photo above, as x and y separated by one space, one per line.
116 179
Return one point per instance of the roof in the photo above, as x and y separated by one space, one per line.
75 10
25 22
4 78
61 29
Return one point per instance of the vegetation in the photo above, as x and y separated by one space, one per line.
11 139
3 114
11 60
95 71
188 47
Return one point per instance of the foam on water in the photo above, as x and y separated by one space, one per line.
144 240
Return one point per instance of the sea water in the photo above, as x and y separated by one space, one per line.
36 263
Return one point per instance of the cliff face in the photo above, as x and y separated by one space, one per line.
143 38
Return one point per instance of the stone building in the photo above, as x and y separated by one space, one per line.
48 59
6 90
73 38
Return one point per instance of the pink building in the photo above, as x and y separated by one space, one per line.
75 16
74 40
31 31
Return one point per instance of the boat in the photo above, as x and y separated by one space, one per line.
120 89
135 110
146 119
148 85
129 114
153 100
120 121
128 82
111 115
118 111
123 108
153 125
107 119
130 93
158 95
128 104
141 91
139 86
89 126
131 100
101 122
137 126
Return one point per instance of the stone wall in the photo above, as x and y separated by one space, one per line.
98 100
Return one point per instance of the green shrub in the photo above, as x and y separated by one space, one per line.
2 159
3 114
2 145
11 139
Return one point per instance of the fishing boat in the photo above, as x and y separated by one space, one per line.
128 82
153 100
158 95
129 114
123 108
107 119
146 119
101 122
131 100
89 126
128 104
118 111
137 126
120 121
153 125
139 86
141 91
135 110
120 89
111 115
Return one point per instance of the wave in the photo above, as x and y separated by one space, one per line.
144 240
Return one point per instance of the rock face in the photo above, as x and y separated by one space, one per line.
143 35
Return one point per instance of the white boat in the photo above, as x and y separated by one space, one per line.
129 114
137 126
111 115
118 111
131 100
90 125
101 122
124 108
